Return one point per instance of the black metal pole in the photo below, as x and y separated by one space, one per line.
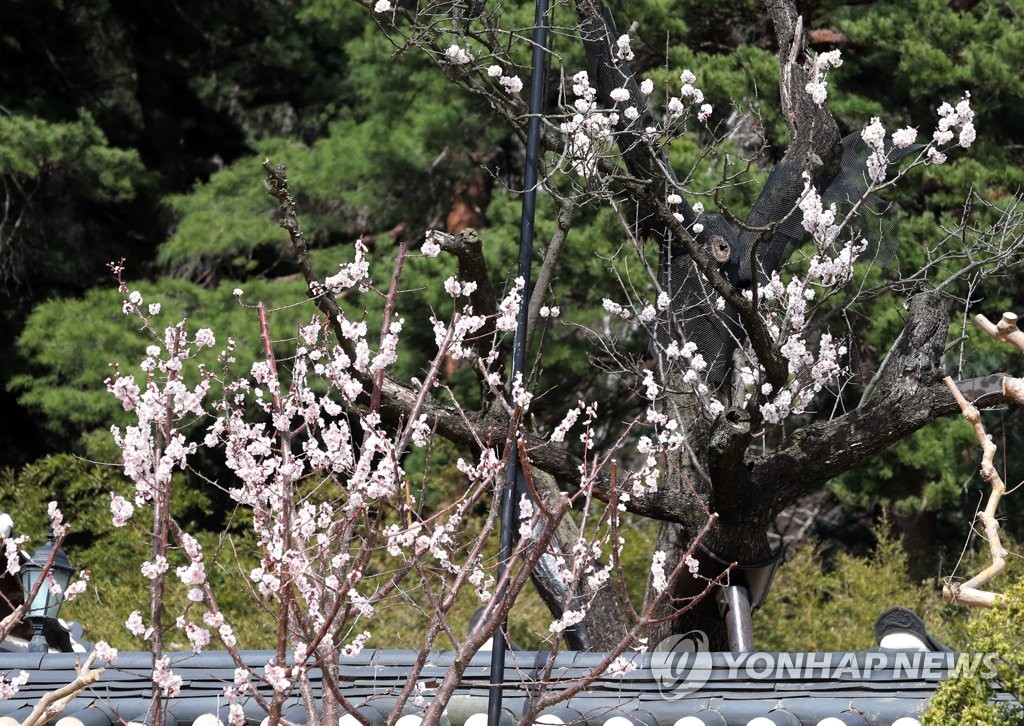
537 73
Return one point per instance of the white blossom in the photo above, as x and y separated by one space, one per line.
903 138
967 135
874 134
619 95
935 156
817 86
615 309
512 84
623 52
568 619
458 55
430 247
659 581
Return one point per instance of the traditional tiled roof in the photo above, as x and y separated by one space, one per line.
759 689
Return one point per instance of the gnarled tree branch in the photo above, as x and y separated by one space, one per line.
911 395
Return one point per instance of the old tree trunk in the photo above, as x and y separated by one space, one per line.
719 473
728 482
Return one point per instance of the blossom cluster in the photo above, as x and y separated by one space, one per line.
785 307
678 357
817 86
950 119
512 84
280 430
589 130
9 685
689 97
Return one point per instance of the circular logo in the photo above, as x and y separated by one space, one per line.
681 664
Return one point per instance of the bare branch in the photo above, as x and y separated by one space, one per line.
968 593
51 705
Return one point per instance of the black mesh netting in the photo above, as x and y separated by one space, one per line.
696 313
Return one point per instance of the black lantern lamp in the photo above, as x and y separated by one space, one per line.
44 607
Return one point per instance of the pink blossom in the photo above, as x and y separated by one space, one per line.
204 338
620 666
350 274
452 287
9 686
135 625
817 86
77 587
430 247
165 679
12 550
508 308
104 652
571 416
56 520
935 156
227 636
193 574
615 309
236 712
356 646
198 637
967 135
458 56
874 134
155 567
277 677
659 581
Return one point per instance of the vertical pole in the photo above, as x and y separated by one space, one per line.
734 605
512 474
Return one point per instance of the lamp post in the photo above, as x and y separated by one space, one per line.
45 605
513 473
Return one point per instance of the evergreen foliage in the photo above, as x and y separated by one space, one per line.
828 601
